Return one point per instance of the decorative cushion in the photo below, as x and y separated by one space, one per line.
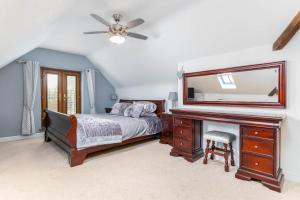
149 107
219 136
119 108
128 111
137 110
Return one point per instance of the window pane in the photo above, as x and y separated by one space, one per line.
52 92
226 79
71 95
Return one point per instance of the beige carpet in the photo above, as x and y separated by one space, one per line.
33 170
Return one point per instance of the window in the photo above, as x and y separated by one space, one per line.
226 81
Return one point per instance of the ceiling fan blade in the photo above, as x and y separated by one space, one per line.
95 32
100 19
136 35
135 23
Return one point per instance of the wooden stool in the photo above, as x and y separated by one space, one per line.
222 137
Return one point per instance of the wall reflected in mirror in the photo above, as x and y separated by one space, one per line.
259 85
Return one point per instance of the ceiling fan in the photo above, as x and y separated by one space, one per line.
118 32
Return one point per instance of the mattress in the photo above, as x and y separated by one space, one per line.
100 129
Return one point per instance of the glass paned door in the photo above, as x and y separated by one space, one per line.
71 95
60 91
52 92
71 86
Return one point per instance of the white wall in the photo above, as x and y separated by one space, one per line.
153 91
291 127
290 131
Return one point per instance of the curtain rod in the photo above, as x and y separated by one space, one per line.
96 70
24 61
21 61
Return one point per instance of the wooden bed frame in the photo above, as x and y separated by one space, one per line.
61 129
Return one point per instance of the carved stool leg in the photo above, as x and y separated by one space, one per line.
212 155
226 158
206 152
231 156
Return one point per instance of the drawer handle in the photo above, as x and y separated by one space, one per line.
255 133
180 122
181 143
181 131
257 163
255 147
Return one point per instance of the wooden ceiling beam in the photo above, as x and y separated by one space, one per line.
288 33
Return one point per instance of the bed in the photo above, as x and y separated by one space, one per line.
65 131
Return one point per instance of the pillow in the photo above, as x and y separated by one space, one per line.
149 107
119 108
128 111
137 110
144 114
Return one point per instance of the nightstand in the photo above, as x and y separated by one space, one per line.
107 110
167 132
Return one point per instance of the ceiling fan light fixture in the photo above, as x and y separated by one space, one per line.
117 39
118 32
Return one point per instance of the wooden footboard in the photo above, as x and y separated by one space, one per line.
61 129
61 126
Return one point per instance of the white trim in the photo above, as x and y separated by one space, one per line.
20 137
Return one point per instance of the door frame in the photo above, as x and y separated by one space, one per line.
62 86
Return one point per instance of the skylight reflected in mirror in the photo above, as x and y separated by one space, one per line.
226 81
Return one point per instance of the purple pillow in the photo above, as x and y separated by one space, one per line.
119 108
137 110
128 111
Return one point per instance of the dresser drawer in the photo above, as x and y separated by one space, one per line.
183 132
258 146
183 122
257 163
259 132
183 145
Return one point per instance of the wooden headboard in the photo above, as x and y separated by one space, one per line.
159 103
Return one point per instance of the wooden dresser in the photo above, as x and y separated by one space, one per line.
260 156
187 141
167 132
259 142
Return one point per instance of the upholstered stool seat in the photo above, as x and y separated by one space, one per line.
221 137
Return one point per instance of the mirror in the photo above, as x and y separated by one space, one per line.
260 85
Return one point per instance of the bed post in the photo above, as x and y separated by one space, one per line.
71 136
46 123
76 157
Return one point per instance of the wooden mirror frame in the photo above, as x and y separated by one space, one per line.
281 86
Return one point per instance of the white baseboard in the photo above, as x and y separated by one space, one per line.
21 137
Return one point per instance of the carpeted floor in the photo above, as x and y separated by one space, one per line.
34 170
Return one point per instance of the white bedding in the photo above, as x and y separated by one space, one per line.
130 128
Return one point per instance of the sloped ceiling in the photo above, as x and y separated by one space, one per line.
178 30
25 25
